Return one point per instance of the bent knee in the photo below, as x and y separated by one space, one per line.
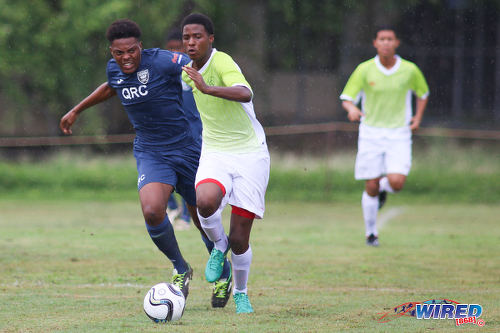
397 186
207 203
238 244
206 207
372 187
153 216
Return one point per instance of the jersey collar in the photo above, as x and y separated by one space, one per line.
391 70
208 61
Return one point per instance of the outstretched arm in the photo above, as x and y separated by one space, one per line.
234 93
102 93
419 113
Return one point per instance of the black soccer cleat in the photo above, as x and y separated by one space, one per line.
222 290
182 280
372 240
382 198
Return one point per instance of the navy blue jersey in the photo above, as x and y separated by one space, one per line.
152 98
189 106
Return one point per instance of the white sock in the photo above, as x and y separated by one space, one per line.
214 229
241 270
370 210
384 185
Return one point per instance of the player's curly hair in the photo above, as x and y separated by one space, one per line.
123 28
196 18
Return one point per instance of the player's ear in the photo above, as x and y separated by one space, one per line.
211 39
140 45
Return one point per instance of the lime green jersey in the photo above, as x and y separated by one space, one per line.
386 93
227 125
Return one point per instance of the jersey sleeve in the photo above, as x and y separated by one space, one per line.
183 59
354 85
108 74
230 72
111 72
171 62
418 84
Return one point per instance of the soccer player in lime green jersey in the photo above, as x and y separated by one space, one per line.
385 85
234 163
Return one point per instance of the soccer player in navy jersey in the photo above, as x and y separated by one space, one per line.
167 144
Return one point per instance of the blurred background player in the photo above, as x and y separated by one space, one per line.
234 163
180 216
385 85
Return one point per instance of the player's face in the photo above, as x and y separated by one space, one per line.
386 43
197 42
127 53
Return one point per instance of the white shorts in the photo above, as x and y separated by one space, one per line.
244 176
378 157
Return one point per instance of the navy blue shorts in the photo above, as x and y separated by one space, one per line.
173 167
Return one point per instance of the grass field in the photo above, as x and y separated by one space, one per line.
441 172
85 266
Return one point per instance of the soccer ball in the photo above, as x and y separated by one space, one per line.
164 302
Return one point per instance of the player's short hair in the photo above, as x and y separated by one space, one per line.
196 18
383 28
123 28
174 35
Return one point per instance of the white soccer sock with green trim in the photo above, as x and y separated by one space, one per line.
241 270
370 210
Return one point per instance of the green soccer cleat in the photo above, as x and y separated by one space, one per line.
222 290
182 280
215 264
242 303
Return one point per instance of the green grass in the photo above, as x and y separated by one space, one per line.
441 172
85 266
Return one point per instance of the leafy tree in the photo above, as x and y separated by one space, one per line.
54 53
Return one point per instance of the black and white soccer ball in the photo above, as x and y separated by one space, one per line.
164 302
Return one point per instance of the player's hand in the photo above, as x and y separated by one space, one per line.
196 77
414 124
67 121
354 114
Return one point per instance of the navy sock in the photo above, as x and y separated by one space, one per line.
210 245
164 238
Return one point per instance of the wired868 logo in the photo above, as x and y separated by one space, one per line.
437 309
462 313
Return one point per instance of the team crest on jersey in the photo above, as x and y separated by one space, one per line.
143 76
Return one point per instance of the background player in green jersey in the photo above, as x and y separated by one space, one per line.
385 85
234 163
